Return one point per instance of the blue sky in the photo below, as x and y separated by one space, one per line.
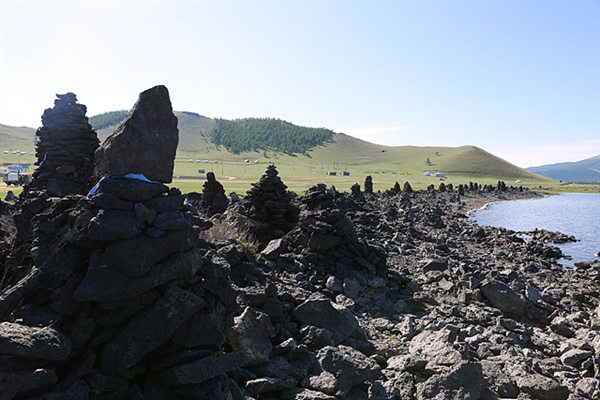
520 79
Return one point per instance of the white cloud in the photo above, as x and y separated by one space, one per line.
533 156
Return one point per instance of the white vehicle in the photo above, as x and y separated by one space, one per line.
11 178
16 178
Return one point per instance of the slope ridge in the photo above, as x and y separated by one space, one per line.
587 170
342 152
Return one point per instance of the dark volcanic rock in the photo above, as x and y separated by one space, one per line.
105 283
145 143
463 382
270 204
203 369
142 334
33 343
504 298
214 201
343 368
131 189
251 334
65 149
321 312
542 387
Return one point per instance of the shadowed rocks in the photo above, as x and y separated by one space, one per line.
65 148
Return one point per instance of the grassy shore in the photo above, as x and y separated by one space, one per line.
299 182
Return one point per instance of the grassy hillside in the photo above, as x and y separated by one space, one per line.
19 139
196 156
248 134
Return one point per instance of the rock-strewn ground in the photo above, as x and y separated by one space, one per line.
396 295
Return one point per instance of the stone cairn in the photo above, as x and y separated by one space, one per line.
213 200
270 205
332 252
114 293
65 149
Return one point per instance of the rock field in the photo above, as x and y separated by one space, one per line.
134 290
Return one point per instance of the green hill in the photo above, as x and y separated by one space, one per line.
341 160
16 145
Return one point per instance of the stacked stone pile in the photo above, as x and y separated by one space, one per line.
333 256
66 144
270 205
115 287
65 148
213 200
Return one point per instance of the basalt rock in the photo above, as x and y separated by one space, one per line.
214 201
270 204
65 149
145 143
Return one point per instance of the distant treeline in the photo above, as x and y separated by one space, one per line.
111 118
249 134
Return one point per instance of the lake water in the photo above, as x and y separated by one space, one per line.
572 214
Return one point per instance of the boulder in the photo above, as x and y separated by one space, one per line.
103 283
462 382
33 343
321 312
541 387
137 255
203 369
305 394
504 298
23 383
110 225
575 357
436 264
145 143
131 188
251 334
347 367
437 347
148 330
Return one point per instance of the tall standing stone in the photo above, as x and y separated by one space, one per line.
145 143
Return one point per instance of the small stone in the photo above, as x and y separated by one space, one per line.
202 369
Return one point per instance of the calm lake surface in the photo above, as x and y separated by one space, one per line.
572 214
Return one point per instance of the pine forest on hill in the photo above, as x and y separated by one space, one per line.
107 119
250 134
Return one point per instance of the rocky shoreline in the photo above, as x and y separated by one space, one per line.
136 291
